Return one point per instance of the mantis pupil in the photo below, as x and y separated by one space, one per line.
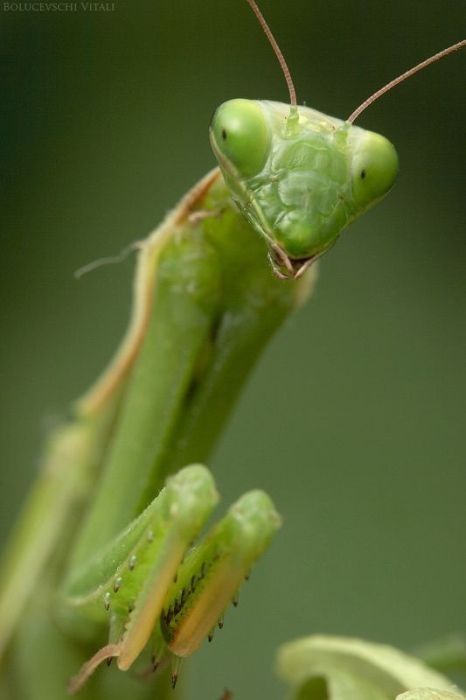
224 135
363 174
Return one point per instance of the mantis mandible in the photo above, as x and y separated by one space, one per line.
206 302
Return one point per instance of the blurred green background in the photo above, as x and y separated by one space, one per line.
354 420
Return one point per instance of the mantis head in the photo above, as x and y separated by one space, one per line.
299 177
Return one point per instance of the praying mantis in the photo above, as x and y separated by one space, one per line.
205 215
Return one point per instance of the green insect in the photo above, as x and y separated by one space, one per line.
105 542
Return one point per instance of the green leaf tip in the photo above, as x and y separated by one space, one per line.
430 694
354 669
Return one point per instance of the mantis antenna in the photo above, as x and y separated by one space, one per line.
278 53
404 76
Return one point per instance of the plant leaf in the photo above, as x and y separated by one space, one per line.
430 694
352 669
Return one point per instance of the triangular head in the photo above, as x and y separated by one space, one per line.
299 176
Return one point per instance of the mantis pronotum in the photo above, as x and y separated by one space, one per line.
196 321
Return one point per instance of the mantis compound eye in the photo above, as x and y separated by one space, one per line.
374 168
240 134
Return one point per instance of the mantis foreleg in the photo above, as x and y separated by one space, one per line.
206 303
